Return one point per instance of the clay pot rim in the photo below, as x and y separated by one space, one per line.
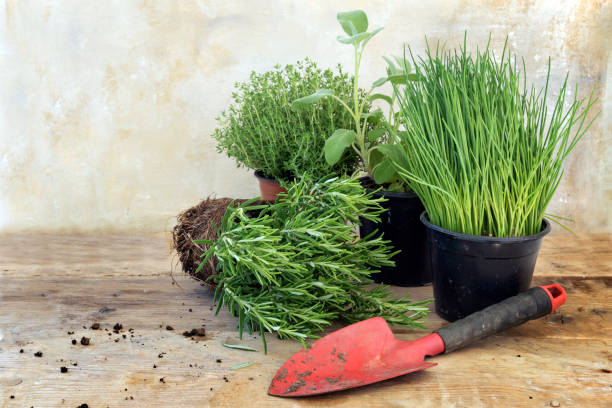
260 175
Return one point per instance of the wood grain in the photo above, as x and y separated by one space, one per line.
565 357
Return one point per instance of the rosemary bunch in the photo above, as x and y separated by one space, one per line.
297 265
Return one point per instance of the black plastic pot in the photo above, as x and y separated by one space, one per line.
471 272
400 224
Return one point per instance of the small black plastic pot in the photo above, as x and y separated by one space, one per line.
472 272
400 224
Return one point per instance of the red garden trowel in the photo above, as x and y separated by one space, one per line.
368 352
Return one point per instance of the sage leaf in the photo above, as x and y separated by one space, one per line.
353 22
337 143
310 99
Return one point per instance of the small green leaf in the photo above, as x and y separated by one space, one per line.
336 143
310 99
376 134
390 150
371 34
353 39
391 68
353 22
403 64
397 186
374 114
374 157
397 78
381 97
239 347
384 172
379 82
203 241
243 365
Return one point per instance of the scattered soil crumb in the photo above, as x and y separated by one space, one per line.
161 355
162 380
605 370
225 379
219 360
154 366
195 332
169 328
85 341
95 326
75 364
64 369
13 397
117 327
191 310
124 336
518 355
116 340
21 351
74 341
83 406
38 354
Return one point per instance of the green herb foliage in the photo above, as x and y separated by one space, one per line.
298 265
261 132
370 129
483 151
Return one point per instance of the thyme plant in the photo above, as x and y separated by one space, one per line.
484 152
297 265
260 131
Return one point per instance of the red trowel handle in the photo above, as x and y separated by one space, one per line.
531 304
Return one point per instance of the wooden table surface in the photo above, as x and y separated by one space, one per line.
54 287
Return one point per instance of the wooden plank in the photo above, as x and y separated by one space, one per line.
55 284
93 255
564 357
581 256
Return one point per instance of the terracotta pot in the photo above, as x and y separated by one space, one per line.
268 187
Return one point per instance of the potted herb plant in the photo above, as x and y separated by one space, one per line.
292 267
484 152
260 131
368 134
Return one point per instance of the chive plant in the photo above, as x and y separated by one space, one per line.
260 131
294 266
484 151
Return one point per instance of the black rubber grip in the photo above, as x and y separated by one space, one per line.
529 305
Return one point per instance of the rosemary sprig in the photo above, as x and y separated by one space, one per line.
297 265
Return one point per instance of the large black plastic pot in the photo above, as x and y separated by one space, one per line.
400 224
471 272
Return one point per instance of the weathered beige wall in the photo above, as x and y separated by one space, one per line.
106 107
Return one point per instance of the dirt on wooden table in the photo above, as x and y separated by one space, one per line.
116 291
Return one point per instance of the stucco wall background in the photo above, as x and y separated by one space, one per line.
106 108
